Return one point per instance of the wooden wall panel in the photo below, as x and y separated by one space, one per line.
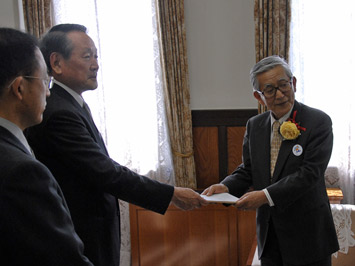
202 237
246 234
218 138
206 156
235 137
214 235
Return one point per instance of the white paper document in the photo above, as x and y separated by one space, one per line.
221 198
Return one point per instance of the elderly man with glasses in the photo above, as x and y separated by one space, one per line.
286 151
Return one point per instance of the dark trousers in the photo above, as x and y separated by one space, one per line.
272 256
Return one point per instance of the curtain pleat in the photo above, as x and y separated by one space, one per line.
176 88
272 30
37 16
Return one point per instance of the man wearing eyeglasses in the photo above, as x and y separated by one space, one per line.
35 223
285 167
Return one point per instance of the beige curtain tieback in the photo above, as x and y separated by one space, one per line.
275 146
183 155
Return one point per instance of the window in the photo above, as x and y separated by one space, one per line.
128 106
322 55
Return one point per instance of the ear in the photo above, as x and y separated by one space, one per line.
55 61
17 88
259 98
294 81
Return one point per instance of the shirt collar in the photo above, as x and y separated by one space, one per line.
16 131
75 95
282 119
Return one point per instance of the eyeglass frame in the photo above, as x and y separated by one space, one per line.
275 89
49 81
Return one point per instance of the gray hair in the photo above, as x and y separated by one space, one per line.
265 65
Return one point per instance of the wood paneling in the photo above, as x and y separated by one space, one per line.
246 234
218 138
235 137
213 235
202 237
206 155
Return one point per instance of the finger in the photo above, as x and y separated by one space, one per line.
205 191
212 190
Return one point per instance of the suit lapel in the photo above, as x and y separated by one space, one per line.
262 136
89 121
286 147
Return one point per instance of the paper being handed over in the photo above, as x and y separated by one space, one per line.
221 198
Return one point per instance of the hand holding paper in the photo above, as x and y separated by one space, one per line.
187 199
221 198
218 193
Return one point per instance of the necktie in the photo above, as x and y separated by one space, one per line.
275 145
88 111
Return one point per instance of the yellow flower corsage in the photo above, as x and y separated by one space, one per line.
289 129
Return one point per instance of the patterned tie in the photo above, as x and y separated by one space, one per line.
275 145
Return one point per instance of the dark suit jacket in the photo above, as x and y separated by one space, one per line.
68 143
301 216
35 224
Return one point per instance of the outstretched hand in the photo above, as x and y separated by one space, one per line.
187 199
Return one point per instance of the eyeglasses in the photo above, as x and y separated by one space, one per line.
47 81
270 91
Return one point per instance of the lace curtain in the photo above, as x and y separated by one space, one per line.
128 106
322 56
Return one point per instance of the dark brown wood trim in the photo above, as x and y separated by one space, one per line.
222 119
222 152
206 118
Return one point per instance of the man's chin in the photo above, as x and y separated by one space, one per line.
92 86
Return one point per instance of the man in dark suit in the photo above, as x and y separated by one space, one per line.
35 223
68 142
294 220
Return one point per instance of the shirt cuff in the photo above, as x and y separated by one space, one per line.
271 203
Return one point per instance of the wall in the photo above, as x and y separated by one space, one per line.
10 14
220 47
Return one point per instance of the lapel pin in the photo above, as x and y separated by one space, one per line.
297 150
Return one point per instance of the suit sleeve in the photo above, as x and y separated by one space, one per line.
36 223
67 133
241 179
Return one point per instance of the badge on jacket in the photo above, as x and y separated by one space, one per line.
297 150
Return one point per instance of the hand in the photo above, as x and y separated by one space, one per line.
187 199
252 200
215 189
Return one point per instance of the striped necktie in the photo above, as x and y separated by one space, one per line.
275 145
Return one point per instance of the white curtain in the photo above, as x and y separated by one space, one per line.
322 55
128 106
